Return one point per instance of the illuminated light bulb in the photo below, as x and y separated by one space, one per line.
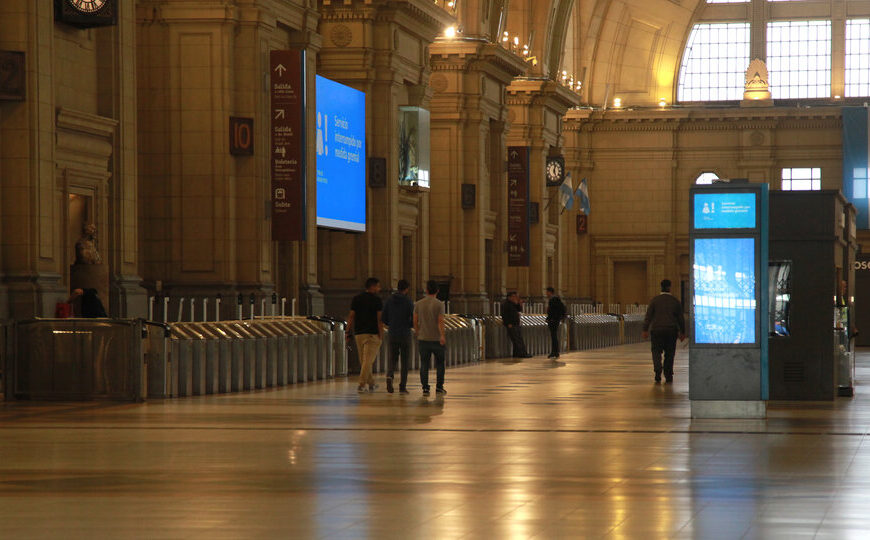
617 102
663 102
450 32
516 41
836 97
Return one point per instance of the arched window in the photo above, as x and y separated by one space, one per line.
803 60
706 178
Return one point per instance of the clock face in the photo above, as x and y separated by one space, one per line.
88 6
554 169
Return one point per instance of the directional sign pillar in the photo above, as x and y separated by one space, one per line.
287 152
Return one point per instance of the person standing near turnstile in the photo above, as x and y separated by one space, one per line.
510 317
556 312
431 337
368 330
399 318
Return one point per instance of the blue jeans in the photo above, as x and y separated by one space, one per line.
427 349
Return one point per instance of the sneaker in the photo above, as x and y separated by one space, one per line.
425 391
441 391
390 385
373 387
361 389
403 391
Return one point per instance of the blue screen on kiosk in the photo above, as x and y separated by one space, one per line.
724 210
724 272
341 156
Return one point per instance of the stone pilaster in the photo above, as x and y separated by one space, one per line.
469 113
381 48
537 107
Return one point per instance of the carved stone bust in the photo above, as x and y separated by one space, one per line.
86 246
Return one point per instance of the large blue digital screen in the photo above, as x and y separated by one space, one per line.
725 302
341 156
724 210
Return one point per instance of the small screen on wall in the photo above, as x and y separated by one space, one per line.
341 156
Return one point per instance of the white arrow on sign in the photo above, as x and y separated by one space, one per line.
514 154
281 150
280 69
279 114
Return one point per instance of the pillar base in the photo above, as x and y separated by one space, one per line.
729 409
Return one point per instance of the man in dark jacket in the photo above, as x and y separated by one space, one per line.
663 324
510 317
399 318
555 313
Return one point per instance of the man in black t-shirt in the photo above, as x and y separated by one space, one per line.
368 329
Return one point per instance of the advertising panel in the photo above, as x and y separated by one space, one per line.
287 89
725 290
725 210
341 156
518 206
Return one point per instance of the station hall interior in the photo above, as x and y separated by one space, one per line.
218 160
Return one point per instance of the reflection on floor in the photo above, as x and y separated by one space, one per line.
585 449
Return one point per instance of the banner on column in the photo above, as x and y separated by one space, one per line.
855 162
518 206
287 152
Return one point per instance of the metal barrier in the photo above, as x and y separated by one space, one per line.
464 344
535 332
632 327
594 331
77 359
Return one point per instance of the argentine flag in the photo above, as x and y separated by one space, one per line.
856 150
583 193
566 193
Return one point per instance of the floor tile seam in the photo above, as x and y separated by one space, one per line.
639 431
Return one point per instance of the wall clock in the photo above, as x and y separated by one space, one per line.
86 13
555 170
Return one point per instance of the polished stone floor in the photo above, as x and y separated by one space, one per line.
590 448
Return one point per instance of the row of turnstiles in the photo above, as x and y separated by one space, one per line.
238 355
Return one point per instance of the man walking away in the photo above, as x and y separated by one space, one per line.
555 314
399 318
510 317
663 324
368 329
429 325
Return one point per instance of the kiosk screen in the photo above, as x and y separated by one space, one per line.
724 287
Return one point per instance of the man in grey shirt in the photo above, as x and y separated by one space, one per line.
663 324
429 326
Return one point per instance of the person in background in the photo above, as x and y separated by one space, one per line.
399 319
556 312
92 307
368 330
510 317
663 324
429 325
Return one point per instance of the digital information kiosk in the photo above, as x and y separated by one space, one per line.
728 371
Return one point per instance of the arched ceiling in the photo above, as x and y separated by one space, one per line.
619 48
630 48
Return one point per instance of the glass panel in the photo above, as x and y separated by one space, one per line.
802 179
799 59
779 298
858 58
414 146
724 282
714 63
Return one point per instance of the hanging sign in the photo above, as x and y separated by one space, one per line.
518 206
